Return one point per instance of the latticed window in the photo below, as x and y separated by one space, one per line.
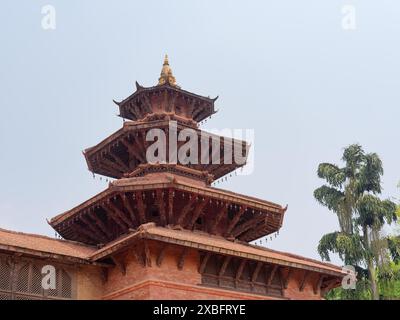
22 280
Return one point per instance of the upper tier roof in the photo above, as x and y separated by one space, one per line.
168 97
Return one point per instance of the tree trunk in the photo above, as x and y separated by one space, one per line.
371 268
372 279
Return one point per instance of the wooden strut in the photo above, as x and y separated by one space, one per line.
129 207
185 210
146 253
112 165
110 171
138 256
224 265
222 212
101 225
197 213
161 255
161 206
170 206
120 213
239 271
235 220
248 225
132 150
318 284
93 228
256 271
182 257
303 280
287 278
115 217
120 264
204 262
272 274
86 233
252 233
118 161
141 207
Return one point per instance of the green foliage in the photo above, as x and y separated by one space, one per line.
373 211
331 173
345 245
329 197
352 194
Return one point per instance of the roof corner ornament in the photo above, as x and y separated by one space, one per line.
138 86
166 76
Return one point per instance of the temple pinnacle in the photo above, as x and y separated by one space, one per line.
166 76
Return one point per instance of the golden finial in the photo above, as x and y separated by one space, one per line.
166 76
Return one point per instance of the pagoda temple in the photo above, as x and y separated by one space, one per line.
161 230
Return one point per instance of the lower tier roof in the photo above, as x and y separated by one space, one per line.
168 199
12 242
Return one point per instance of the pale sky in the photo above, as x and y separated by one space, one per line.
286 69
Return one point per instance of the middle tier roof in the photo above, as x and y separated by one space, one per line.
123 151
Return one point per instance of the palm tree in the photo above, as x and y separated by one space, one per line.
352 194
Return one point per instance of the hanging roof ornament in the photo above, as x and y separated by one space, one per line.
166 76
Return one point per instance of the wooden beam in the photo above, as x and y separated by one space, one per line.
112 165
239 271
110 171
235 220
203 262
147 255
303 280
197 212
222 212
132 150
137 253
256 271
330 284
185 210
245 226
287 278
318 284
92 227
170 206
85 232
224 265
161 255
119 161
182 257
120 213
140 206
101 225
161 206
272 274
114 217
252 233
120 264
129 207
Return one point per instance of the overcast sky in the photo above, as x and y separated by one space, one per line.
287 69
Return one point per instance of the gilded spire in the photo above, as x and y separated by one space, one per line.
166 76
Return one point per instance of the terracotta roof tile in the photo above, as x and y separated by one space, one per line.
12 240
